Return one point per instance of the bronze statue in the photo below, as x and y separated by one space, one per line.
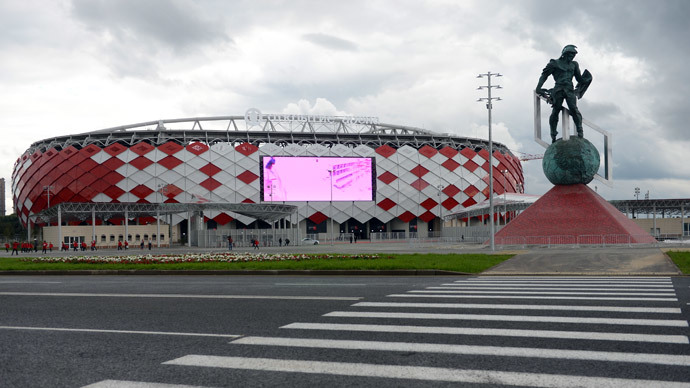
563 69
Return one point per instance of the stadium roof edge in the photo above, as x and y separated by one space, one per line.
235 129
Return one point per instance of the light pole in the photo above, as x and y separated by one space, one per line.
637 193
330 172
489 100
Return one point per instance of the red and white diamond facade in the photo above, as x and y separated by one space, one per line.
415 170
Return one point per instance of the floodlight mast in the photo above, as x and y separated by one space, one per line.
489 100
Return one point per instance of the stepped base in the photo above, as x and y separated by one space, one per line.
569 214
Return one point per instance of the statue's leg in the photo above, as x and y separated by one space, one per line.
555 112
575 113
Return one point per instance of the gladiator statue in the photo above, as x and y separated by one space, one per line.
563 70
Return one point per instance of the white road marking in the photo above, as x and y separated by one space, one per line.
574 285
550 279
502 351
190 296
323 284
117 331
27 282
543 297
512 318
564 288
136 384
569 278
572 335
622 309
492 377
546 293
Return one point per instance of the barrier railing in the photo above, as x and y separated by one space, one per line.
572 240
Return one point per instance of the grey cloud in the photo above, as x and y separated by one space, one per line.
330 42
175 24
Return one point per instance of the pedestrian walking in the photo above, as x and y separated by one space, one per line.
119 245
287 241
142 245
150 245
230 243
15 246
280 242
50 247
45 247
7 247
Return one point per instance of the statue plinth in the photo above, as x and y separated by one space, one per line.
572 214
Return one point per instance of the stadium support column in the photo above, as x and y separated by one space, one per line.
189 229
654 220
28 228
330 172
60 225
158 228
93 223
682 222
126 224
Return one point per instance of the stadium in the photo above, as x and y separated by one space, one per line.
254 177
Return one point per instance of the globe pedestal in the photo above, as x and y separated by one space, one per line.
572 161
571 212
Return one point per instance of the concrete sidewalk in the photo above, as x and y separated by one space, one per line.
588 261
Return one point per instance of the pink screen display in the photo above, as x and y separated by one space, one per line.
294 178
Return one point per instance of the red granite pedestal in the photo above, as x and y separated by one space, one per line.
569 214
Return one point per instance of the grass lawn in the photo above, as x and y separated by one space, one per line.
682 260
469 263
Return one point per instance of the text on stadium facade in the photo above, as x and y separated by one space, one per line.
254 116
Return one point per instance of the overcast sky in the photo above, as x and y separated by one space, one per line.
76 66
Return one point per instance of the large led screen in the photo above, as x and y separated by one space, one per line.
298 178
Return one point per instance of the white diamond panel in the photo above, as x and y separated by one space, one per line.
100 197
294 149
197 162
341 150
127 156
270 149
100 157
317 150
363 150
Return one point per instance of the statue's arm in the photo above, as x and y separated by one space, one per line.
548 70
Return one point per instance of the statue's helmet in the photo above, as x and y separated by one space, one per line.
571 48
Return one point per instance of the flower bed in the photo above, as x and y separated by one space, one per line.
195 258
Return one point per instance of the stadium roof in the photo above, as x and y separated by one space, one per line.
235 129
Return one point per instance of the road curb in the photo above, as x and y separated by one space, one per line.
418 272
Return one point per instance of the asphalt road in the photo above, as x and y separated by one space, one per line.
264 331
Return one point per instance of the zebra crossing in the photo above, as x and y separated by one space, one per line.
516 331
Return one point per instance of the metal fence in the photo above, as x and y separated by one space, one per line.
602 240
